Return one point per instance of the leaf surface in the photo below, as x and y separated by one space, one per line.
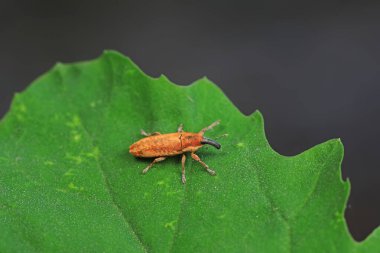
68 183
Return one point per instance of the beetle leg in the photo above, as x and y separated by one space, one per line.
180 128
209 127
158 159
183 168
196 158
148 134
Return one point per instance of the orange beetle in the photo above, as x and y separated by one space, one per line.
159 146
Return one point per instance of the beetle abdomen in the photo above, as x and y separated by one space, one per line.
157 146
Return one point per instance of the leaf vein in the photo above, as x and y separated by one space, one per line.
309 196
108 189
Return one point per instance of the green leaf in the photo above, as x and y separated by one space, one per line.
68 183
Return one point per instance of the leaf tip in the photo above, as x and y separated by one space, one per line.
166 79
203 81
338 146
58 64
257 113
110 52
115 55
257 116
206 79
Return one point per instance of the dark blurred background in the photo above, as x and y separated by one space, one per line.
311 67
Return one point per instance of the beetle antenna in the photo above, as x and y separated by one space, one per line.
209 127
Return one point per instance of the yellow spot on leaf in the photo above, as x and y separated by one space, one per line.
171 225
338 217
130 72
48 163
222 216
77 137
20 117
69 173
240 144
76 159
21 108
161 182
75 122
94 153
72 186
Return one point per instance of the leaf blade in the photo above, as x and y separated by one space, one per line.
64 160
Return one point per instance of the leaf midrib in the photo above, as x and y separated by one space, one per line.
98 163
109 190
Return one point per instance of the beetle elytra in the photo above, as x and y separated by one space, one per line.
160 146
